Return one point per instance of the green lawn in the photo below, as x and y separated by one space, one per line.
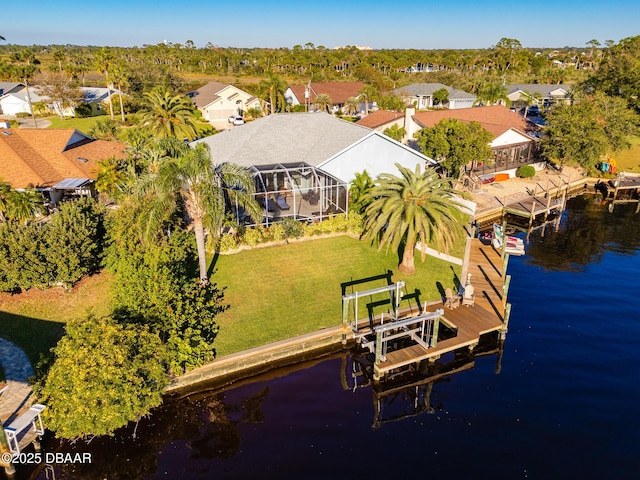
629 160
275 293
82 124
283 291
35 320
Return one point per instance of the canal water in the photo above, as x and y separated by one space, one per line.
560 400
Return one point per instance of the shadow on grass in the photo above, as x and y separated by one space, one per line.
34 336
385 276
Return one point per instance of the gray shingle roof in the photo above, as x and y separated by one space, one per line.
285 138
422 89
540 88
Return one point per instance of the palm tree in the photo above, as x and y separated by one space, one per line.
272 91
20 206
323 102
352 106
166 115
203 189
492 94
104 62
119 77
415 206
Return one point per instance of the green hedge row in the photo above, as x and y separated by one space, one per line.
289 228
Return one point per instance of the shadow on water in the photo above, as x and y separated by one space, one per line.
207 427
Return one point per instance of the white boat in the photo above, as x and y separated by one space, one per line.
515 245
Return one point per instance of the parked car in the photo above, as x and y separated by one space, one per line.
238 120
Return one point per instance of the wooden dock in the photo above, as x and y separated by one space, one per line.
486 267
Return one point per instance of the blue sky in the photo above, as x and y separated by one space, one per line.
278 23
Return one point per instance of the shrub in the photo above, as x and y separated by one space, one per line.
227 242
253 236
292 228
526 171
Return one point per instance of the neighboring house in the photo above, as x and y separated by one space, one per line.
514 138
420 95
98 99
544 95
57 162
219 101
303 162
10 87
380 120
339 93
17 101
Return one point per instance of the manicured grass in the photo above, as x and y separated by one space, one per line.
275 293
34 320
629 160
282 291
82 124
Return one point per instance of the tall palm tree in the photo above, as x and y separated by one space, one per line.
272 91
104 60
166 115
415 206
203 189
323 103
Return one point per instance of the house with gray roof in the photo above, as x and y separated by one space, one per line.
421 96
539 93
218 101
302 163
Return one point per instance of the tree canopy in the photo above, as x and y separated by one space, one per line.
455 144
589 130
104 375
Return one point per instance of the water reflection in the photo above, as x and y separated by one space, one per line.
197 432
587 230
407 392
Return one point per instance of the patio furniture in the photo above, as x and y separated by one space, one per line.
282 202
468 297
451 301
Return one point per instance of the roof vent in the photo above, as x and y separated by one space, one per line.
82 159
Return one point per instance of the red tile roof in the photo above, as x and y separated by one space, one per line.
339 92
42 158
379 118
497 119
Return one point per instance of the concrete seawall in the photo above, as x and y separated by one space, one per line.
237 366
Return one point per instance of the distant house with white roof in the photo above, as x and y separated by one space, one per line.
16 101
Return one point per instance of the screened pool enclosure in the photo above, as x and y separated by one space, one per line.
297 191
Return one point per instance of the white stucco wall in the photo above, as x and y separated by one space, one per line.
510 137
376 154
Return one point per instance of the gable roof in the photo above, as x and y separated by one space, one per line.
285 138
497 119
9 87
545 90
427 89
44 157
379 118
339 92
208 93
